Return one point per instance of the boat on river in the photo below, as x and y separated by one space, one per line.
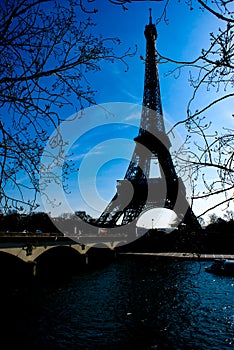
221 267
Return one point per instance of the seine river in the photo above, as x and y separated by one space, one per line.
135 303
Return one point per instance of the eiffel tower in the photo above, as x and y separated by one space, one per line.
138 193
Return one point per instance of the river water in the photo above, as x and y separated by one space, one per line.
134 303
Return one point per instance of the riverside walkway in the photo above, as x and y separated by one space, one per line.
183 255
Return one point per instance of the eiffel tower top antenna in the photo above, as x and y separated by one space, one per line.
150 18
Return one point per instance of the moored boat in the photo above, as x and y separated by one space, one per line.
221 267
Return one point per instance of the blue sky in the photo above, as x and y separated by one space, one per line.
186 33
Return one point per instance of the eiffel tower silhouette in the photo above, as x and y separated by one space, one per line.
138 193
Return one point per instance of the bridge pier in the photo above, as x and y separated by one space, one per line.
86 259
32 268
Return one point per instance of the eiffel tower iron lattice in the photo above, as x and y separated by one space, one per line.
152 142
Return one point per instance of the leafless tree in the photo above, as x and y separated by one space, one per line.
212 70
46 54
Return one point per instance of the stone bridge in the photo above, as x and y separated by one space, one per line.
29 247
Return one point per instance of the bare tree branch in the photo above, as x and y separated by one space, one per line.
46 56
